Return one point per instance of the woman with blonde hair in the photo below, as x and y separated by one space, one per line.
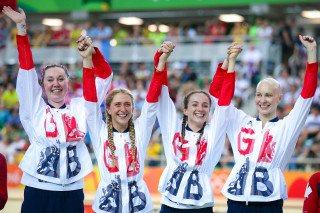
120 144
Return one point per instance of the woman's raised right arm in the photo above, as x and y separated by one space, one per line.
28 90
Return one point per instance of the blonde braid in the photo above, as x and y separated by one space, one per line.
202 131
110 139
183 131
132 140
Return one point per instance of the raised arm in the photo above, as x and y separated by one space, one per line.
148 113
166 110
100 66
25 55
227 90
28 90
218 78
296 119
18 18
92 107
311 77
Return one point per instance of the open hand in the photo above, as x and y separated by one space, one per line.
13 15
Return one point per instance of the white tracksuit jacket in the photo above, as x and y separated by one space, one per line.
261 154
121 189
185 182
57 158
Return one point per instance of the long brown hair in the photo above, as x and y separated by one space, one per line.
185 118
109 99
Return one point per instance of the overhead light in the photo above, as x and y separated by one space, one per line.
163 28
130 21
231 18
311 14
152 27
52 22
113 42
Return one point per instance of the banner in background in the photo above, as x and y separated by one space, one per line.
296 180
64 5
131 5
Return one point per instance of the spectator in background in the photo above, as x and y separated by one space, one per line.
265 31
102 40
3 38
48 35
285 80
188 74
142 72
251 61
154 149
119 34
139 95
286 38
61 37
74 34
4 144
4 114
239 31
14 119
157 37
299 53
10 97
37 39
92 32
253 30
17 145
3 182
311 130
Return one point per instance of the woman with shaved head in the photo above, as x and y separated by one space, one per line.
262 146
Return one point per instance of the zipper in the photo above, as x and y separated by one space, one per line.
63 149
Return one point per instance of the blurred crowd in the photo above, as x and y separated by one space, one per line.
182 76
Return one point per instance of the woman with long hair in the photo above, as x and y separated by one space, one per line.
193 146
57 160
120 144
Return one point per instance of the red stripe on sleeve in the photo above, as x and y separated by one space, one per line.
25 54
102 67
155 87
217 81
156 62
227 90
310 81
89 85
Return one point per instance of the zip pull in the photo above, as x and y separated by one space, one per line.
247 202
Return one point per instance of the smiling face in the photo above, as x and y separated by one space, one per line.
120 110
197 110
268 96
55 83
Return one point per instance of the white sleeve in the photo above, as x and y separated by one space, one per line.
144 124
103 85
30 98
167 117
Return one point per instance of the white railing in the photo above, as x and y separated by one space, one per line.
187 50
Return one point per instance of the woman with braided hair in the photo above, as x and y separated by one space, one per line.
120 144
192 146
